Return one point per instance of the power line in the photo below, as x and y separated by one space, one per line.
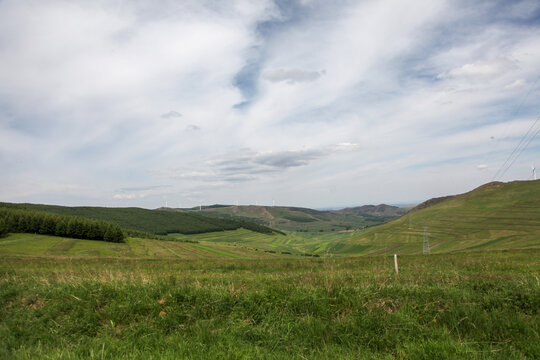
523 100
522 149
517 150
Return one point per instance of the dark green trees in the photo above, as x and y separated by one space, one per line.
113 234
37 222
3 227
48 225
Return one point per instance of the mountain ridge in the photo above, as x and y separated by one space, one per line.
293 218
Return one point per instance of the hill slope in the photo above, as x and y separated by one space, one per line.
304 219
493 216
151 221
43 245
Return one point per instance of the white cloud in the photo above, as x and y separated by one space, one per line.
126 196
292 76
95 94
519 83
480 69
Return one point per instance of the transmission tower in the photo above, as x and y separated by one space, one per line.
425 249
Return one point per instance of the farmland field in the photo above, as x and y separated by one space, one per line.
32 244
139 301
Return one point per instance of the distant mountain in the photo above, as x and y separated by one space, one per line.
305 219
382 210
493 216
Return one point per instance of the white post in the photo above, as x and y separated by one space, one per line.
395 263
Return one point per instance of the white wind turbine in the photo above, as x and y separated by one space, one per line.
533 172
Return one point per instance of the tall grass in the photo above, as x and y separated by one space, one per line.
481 305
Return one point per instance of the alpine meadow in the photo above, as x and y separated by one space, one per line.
269 179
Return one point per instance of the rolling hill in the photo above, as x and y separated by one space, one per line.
304 219
150 221
494 216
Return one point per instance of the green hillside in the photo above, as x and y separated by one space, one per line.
493 216
304 219
496 216
150 221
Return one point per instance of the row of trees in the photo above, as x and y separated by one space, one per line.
38 222
157 222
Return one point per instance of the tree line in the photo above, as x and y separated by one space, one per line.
39 222
154 222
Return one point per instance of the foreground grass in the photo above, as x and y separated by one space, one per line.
460 306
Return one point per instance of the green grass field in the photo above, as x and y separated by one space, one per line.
31 244
295 243
481 305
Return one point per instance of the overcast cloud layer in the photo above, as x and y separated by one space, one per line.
308 103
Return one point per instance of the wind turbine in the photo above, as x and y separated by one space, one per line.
534 172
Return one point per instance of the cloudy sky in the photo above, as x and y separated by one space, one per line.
306 103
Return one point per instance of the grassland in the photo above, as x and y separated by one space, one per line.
135 248
481 305
296 243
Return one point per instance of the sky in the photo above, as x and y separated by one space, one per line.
303 103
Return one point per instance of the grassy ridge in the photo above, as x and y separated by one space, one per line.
494 216
150 221
474 306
